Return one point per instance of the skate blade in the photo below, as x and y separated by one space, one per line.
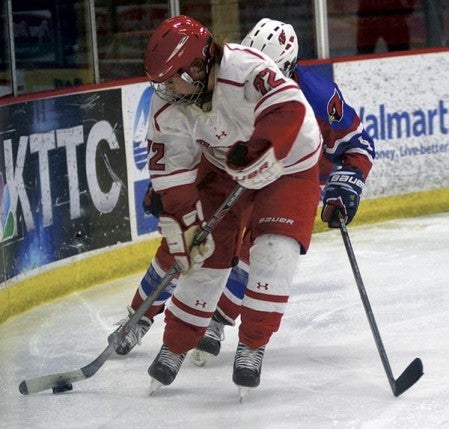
243 393
200 357
154 386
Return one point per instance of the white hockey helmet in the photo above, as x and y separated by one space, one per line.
276 39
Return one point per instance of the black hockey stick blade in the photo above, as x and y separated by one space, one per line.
409 377
63 379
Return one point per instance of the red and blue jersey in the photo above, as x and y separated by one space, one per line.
346 143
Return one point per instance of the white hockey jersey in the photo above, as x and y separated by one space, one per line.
247 84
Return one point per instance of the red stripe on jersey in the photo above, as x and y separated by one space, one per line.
230 82
307 156
271 93
191 310
265 297
299 161
155 176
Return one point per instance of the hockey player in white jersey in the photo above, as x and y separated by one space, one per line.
225 115
347 148
345 142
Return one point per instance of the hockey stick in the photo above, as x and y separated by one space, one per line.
62 381
414 371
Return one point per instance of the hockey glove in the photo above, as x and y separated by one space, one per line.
180 235
152 202
253 174
341 196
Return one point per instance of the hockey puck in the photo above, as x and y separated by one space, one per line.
62 388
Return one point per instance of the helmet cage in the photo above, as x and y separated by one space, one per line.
161 90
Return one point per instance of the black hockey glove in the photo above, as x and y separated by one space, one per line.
152 202
341 195
238 155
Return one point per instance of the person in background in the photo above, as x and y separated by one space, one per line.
383 19
224 115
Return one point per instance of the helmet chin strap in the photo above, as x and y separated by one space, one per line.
204 100
208 56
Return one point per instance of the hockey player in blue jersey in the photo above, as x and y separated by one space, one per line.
348 153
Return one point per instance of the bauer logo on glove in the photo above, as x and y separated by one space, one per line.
341 196
254 174
347 177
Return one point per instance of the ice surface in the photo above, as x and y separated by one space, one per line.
321 370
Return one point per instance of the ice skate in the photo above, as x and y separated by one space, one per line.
134 336
209 345
164 368
247 366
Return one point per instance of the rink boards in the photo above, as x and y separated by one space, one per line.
73 171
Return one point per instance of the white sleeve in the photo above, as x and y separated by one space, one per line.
173 156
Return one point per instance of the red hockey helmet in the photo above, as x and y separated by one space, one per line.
174 46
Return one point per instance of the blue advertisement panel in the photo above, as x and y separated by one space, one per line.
137 99
63 181
145 223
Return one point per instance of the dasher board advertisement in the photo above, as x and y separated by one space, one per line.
63 181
